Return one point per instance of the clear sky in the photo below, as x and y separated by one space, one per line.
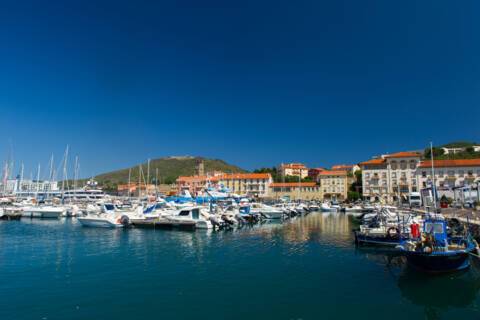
254 83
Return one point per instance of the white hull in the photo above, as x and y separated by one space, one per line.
273 214
99 223
42 213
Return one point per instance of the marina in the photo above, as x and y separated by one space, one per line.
239 160
133 272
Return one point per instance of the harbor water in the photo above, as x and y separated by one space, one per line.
308 268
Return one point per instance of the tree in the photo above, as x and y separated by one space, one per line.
353 195
357 184
437 152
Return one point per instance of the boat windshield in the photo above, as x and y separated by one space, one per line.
109 207
434 227
184 213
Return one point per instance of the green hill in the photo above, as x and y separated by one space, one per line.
467 153
169 169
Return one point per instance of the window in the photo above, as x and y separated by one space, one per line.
403 165
440 173
461 172
413 165
394 165
424 174
394 174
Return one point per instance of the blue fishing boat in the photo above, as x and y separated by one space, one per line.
436 251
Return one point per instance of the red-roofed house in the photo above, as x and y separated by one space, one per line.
334 184
293 169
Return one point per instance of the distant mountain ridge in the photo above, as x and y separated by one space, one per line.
169 169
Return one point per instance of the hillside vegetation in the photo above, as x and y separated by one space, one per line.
468 153
169 169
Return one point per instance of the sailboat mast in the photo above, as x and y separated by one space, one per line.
129 183
75 177
19 188
139 179
38 182
50 177
64 170
434 187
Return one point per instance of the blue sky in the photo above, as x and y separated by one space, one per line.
254 83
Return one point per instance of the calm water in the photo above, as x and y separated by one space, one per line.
306 269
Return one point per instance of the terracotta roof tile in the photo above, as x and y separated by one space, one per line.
292 184
245 176
405 154
376 161
450 163
333 173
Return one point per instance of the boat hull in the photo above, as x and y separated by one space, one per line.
368 240
98 223
42 214
438 263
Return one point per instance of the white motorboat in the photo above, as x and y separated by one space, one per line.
45 212
191 214
108 217
326 207
104 220
268 212
355 211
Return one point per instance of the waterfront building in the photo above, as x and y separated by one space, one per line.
334 184
251 184
295 191
28 187
293 169
449 173
390 178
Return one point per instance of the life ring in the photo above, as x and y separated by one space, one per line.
391 234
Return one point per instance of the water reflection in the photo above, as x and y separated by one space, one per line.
317 227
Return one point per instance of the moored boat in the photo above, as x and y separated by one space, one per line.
435 251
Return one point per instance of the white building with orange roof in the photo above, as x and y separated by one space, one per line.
334 184
251 184
390 177
449 173
293 169
295 190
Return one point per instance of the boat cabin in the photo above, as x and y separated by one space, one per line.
438 229
193 213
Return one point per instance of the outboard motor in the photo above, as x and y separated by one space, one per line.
228 220
125 220
215 221
240 219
